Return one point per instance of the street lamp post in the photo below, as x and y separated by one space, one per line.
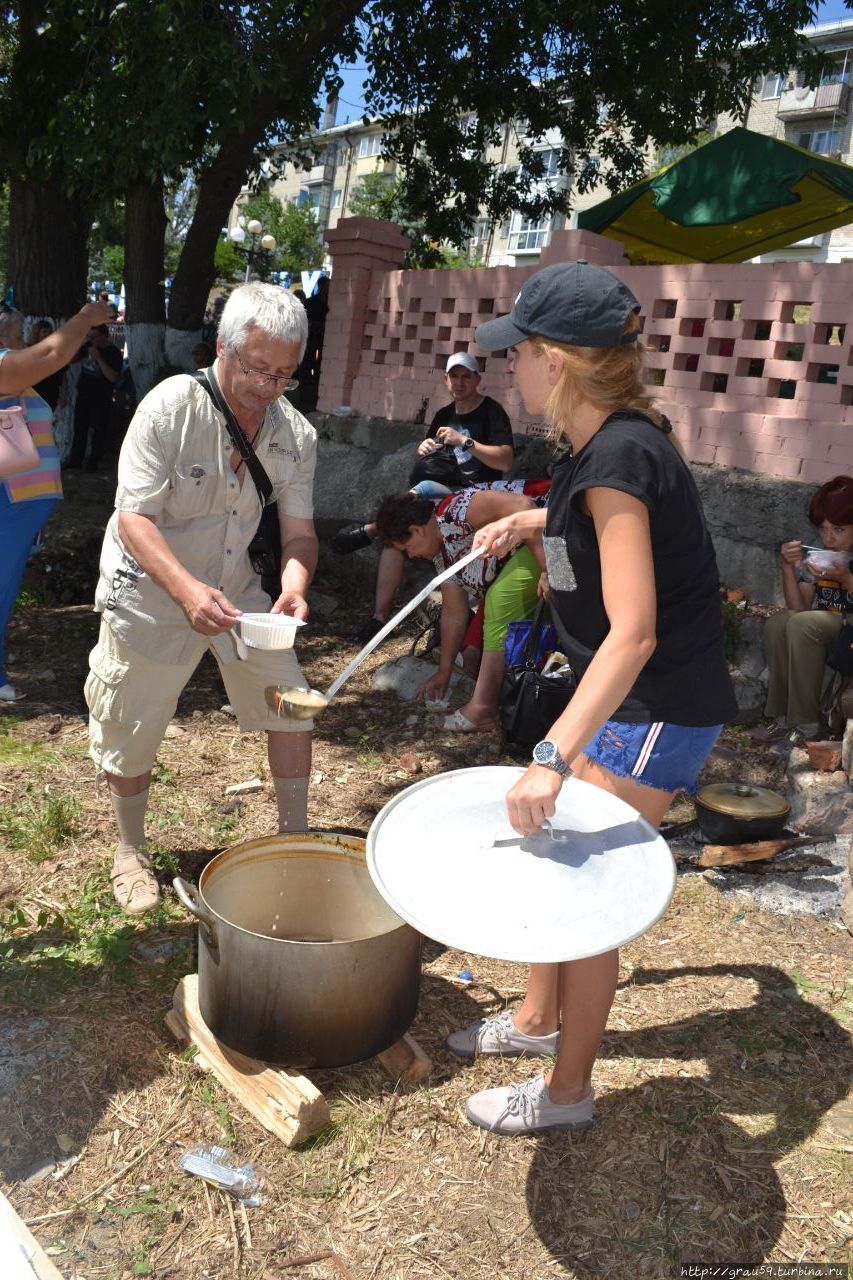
259 245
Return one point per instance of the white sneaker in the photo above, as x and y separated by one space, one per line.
8 693
500 1035
527 1108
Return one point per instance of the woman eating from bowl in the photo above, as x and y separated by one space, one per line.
818 587
634 593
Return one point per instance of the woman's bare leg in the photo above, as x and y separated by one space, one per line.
539 1012
587 987
483 706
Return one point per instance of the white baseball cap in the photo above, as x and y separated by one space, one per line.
462 358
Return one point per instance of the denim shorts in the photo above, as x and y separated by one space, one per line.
665 756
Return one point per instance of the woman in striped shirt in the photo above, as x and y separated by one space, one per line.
27 500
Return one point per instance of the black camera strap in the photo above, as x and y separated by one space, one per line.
239 439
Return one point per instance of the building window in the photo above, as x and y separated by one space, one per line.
550 163
772 85
527 235
370 145
841 69
336 198
823 141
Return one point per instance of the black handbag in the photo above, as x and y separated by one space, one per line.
840 655
532 702
265 547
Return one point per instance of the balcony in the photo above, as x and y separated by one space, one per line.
315 175
827 99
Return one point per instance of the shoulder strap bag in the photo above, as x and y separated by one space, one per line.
531 702
18 452
265 547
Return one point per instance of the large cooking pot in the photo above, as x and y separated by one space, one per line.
735 812
300 961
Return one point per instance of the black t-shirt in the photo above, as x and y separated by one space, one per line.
94 389
456 467
686 680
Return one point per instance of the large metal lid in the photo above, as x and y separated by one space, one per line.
742 800
444 857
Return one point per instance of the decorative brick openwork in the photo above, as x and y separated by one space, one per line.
753 364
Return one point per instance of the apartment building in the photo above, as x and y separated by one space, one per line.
817 117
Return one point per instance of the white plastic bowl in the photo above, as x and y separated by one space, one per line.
268 630
823 560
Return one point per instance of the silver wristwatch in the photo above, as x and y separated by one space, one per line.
548 755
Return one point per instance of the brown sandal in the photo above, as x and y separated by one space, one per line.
135 886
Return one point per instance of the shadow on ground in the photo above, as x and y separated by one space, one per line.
667 1172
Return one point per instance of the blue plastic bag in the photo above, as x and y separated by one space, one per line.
517 635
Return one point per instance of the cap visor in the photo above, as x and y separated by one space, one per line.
498 334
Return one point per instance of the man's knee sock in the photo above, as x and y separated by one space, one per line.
130 816
292 799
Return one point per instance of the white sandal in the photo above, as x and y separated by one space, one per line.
458 722
135 886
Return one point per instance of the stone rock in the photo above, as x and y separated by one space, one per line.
821 803
227 710
750 695
403 675
244 788
321 605
410 763
847 750
847 909
749 647
174 731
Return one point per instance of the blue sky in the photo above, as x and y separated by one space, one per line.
351 104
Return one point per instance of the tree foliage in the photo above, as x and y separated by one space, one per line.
104 98
295 230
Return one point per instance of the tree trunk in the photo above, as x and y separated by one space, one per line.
48 244
219 187
223 180
48 265
145 307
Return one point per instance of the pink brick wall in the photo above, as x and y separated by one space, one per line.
753 364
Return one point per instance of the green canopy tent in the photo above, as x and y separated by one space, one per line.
738 196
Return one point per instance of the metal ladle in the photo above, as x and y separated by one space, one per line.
304 704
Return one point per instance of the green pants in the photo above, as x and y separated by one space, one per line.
511 597
796 645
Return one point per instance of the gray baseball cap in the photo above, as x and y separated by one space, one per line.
577 303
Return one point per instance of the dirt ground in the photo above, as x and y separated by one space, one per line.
719 1136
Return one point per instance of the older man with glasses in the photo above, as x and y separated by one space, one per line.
175 573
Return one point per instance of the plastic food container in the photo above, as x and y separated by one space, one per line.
822 560
268 630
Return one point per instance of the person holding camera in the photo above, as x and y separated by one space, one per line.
100 369
28 499
175 572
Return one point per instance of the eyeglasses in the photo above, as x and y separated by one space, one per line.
261 379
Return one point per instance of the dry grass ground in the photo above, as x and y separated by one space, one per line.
727 1046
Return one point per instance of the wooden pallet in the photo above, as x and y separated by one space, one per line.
20 1252
282 1100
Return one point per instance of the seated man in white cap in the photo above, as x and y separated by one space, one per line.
469 442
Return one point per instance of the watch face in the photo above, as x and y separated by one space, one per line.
544 752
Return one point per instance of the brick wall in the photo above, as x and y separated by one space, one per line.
753 364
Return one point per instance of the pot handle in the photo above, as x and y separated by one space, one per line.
190 897
238 641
